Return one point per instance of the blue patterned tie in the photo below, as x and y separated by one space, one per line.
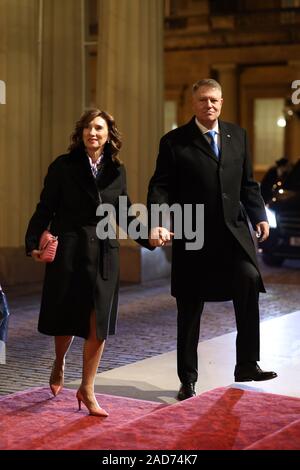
213 143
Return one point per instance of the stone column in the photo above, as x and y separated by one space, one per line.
228 80
61 75
130 87
19 119
130 81
41 66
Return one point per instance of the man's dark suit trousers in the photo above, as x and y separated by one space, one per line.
245 294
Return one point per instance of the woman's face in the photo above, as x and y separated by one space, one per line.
95 135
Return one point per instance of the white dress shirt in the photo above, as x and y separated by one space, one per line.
95 165
204 131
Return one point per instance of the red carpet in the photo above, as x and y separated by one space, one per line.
224 418
34 419
287 438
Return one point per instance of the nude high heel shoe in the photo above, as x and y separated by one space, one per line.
56 380
92 405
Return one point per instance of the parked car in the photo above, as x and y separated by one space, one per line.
283 211
274 178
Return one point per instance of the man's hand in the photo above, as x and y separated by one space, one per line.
262 231
159 236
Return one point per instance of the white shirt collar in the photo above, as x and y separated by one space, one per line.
204 129
94 165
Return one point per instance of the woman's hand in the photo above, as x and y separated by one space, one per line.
159 236
35 254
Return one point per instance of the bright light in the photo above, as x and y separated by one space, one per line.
281 191
271 218
281 122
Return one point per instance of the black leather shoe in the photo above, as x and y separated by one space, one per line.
252 371
186 391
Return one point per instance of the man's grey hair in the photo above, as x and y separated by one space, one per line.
208 82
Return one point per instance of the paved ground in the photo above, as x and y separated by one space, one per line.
146 327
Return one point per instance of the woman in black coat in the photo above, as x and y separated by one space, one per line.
80 293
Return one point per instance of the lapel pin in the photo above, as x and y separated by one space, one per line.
228 135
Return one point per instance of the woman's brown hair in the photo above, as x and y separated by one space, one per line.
114 136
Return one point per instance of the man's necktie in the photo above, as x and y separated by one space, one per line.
213 143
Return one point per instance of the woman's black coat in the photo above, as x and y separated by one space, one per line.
85 272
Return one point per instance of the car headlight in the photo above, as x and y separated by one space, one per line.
271 218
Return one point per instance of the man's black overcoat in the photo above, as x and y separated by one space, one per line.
188 172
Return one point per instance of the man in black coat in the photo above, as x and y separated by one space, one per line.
206 162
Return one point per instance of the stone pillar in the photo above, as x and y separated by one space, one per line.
130 81
41 66
130 87
228 79
19 119
61 75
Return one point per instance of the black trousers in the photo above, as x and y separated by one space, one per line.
245 294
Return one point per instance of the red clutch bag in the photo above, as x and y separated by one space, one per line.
48 246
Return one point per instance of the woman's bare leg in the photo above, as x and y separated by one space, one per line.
62 344
92 352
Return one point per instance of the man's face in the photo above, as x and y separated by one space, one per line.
207 105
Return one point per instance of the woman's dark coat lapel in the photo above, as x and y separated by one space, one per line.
81 172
